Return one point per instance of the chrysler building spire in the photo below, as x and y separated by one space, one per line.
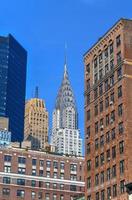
65 119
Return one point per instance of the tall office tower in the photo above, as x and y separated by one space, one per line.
65 132
13 59
108 113
36 122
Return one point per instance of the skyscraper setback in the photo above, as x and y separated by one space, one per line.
13 60
65 132
108 117
36 122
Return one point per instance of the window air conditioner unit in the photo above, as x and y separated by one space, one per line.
101 127
111 102
111 121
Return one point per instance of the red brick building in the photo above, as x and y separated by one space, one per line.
38 175
108 114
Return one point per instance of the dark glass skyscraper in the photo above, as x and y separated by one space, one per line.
13 61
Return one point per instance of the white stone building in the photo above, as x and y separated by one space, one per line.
65 132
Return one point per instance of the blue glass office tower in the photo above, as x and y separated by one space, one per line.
13 61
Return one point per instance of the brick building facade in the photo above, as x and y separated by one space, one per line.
27 174
108 118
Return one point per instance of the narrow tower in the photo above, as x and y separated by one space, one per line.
65 132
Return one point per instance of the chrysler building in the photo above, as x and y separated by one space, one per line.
65 133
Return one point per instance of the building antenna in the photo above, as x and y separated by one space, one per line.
36 92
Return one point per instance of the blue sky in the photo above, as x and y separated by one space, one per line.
43 27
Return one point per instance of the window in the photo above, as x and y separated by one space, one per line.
96 161
89 197
118 41
95 63
113 134
55 175
88 99
118 57
106 102
89 165
6 191
112 98
107 120
41 172
106 52
34 161
21 160
40 195
111 64
73 177
48 163
120 110
47 196
119 91
7 158
119 73
114 152
88 148
96 110
97 179
122 167
109 193
33 183
100 73
54 196
73 167
120 127
73 187
100 58
113 171
108 137
62 165
61 197
111 48
102 177
7 169
112 80
102 195
88 132
20 193
88 68
96 127
112 116
34 172
108 174
121 147
101 106
114 190
47 185
55 165
101 89
106 69
102 158
48 174
41 163
88 115
6 180
88 85
122 186
20 181
96 144
21 170
108 155
62 186
33 195
95 78
95 93
97 195
102 141
106 85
